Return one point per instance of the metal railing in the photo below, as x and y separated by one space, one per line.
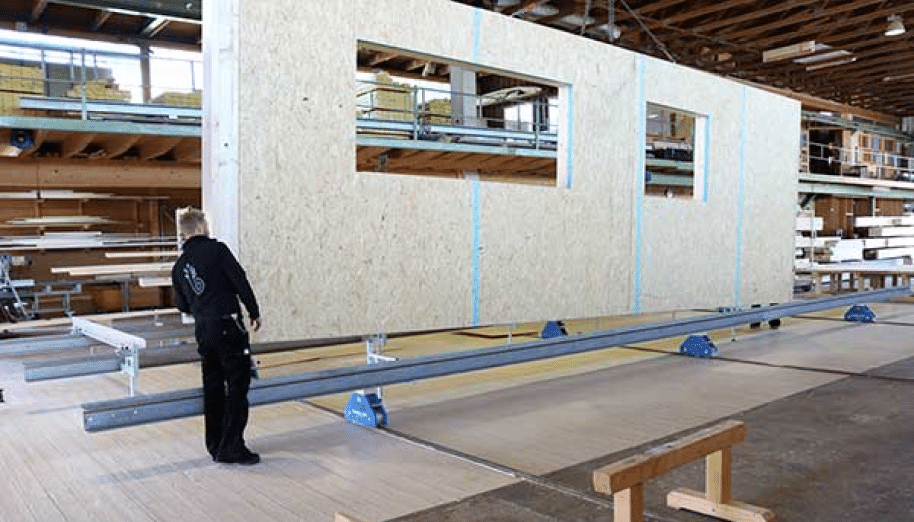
80 81
858 162
417 112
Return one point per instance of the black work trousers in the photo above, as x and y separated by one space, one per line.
224 347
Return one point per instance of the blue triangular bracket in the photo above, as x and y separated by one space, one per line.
553 329
366 410
860 313
698 346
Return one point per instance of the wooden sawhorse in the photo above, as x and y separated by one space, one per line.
625 479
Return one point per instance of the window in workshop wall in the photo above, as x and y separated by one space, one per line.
430 116
676 145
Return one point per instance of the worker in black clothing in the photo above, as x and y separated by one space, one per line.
208 281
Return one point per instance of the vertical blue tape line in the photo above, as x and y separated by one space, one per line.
738 276
569 165
477 23
475 186
704 197
639 183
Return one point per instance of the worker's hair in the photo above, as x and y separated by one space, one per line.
192 222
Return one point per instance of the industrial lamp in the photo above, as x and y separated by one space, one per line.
895 27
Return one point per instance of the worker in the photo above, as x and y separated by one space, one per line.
207 282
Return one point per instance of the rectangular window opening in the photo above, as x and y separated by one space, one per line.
429 116
675 153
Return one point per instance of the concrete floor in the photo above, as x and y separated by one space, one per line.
839 452
515 443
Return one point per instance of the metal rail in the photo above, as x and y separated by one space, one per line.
50 343
109 107
107 415
182 349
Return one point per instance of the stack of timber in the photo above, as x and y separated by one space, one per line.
889 237
103 89
61 221
437 112
180 99
810 247
386 100
83 240
9 104
21 79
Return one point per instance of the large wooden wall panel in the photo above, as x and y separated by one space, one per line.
732 247
333 251
771 164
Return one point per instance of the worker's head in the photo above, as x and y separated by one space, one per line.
191 222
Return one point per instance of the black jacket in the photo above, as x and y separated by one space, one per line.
207 278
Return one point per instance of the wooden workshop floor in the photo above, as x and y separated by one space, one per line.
533 419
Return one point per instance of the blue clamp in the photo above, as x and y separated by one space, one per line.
366 409
860 313
553 329
698 346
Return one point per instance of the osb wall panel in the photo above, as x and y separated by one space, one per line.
734 247
331 251
771 166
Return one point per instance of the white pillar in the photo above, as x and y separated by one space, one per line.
220 181
463 97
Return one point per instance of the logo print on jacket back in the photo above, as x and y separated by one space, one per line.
196 284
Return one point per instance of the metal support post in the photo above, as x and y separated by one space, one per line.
128 345
85 112
125 295
367 408
130 367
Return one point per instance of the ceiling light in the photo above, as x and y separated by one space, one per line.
831 64
895 27
577 20
543 10
899 77
613 32
824 57
790 51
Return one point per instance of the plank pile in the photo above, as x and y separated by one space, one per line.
890 237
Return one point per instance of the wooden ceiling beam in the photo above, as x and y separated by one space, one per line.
152 148
714 7
623 13
754 14
886 68
805 33
75 144
38 10
100 19
154 27
817 103
824 15
114 146
380 58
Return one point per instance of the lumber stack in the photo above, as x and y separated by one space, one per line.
21 79
102 89
888 237
180 99
437 112
387 100
822 249
82 240
9 104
